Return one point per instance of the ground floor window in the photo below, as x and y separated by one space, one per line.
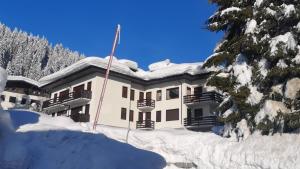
23 101
172 115
131 114
2 97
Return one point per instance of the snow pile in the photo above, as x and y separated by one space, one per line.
24 79
60 143
13 154
242 71
157 70
292 88
131 64
271 109
251 26
287 39
75 147
159 65
228 10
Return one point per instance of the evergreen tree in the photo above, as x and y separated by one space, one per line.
258 63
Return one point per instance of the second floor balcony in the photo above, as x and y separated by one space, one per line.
213 97
69 100
146 105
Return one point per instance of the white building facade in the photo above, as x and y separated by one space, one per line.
174 101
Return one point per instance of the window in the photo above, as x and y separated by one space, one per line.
12 99
158 95
87 109
131 94
131 113
123 113
173 93
140 116
188 91
2 97
124 92
89 86
172 115
158 116
23 101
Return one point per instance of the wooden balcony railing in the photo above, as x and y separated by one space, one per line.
145 124
201 121
146 103
71 96
208 96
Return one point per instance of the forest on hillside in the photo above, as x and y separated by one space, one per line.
23 54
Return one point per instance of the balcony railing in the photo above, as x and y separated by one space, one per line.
63 99
297 107
201 121
146 103
198 98
80 117
145 124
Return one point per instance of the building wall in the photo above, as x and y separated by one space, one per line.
9 105
113 100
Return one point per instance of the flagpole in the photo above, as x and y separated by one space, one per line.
117 39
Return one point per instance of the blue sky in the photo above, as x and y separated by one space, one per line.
152 30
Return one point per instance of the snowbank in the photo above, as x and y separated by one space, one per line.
179 147
61 143
130 68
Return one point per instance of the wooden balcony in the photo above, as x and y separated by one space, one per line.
203 97
205 121
73 98
145 124
146 105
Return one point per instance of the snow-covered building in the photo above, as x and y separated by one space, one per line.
167 96
22 92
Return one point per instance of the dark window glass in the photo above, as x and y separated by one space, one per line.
158 116
131 113
23 101
2 97
172 115
12 99
124 91
131 94
87 109
173 93
123 113
158 95
197 90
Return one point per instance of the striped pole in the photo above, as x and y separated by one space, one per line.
117 39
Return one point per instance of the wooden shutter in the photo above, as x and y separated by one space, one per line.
158 116
87 109
131 94
131 115
140 116
141 96
89 86
124 91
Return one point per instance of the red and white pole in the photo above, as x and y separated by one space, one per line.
117 37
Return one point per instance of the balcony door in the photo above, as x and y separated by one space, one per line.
78 91
148 120
64 95
148 100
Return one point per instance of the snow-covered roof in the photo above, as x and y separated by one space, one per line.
24 79
156 70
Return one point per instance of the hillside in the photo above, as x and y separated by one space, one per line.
23 54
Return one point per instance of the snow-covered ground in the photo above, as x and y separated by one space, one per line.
60 143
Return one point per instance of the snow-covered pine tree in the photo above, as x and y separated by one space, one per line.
258 63
26 55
